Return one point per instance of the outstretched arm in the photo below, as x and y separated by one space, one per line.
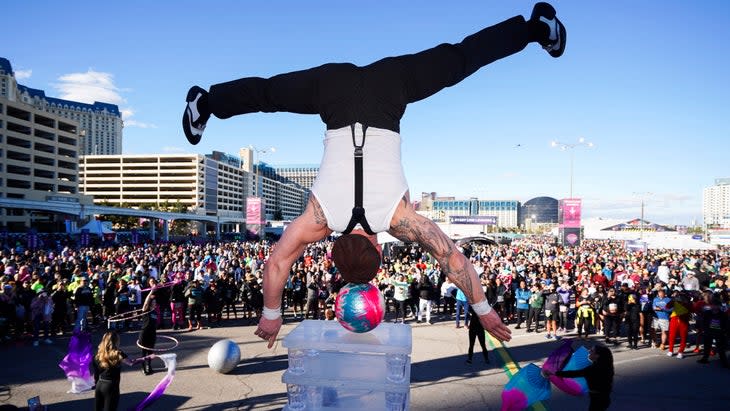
307 228
407 225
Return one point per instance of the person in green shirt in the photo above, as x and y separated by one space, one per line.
533 313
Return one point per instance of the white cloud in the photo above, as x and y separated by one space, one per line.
23 74
94 86
89 87
138 124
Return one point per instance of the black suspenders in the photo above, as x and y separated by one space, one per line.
358 212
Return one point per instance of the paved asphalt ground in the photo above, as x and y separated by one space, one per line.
645 380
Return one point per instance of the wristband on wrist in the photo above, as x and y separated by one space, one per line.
271 313
482 308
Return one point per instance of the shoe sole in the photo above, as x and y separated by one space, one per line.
186 121
548 11
563 36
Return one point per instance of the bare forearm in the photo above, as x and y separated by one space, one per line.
275 276
455 265
460 271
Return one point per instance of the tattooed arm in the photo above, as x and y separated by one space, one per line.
409 226
307 228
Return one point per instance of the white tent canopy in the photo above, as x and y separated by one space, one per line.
96 227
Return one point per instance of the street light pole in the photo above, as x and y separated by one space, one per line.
641 221
260 151
570 147
572 159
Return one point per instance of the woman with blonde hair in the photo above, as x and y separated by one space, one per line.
108 371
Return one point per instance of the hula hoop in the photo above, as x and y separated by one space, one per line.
174 341
127 316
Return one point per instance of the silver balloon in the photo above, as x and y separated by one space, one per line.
224 356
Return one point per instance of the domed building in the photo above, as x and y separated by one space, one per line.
540 210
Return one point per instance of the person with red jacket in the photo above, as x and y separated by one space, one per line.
600 279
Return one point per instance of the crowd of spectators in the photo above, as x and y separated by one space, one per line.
600 289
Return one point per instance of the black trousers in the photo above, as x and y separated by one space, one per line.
477 333
563 318
449 303
400 309
611 325
533 314
584 324
106 395
721 345
521 315
377 94
632 329
599 402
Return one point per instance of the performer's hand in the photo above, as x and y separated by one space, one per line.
268 329
494 325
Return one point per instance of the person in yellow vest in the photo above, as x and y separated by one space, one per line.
679 322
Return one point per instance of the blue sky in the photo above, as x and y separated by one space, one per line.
646 82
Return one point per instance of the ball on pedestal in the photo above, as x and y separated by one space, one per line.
224 356
359 307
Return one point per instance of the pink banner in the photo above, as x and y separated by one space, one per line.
570 209
253 211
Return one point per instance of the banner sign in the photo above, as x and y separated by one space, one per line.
84 240
253 211
569 210
473 219
33 242
254 217
570 236
636 245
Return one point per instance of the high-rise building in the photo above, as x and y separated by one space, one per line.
213 184
716 204
191 182
304 175
38 161
99 124
283 196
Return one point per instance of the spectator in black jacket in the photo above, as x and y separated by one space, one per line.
612 309
84 299
715 328
633 321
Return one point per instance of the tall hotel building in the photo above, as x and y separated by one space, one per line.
716 204
213 184
304 175
99 124
38 157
